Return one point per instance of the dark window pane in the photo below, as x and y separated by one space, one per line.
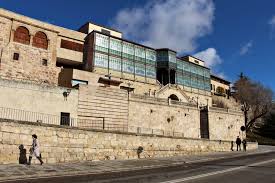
44 62
104 31
16 56
65 119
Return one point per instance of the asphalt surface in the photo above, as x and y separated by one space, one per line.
248 168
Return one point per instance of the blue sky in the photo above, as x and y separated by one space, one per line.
232 36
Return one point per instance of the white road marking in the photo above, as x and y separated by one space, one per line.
217 172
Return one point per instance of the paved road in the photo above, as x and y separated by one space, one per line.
249 168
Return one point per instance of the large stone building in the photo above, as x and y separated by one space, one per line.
94 76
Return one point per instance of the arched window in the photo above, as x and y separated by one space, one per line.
22 35
40 40
173 97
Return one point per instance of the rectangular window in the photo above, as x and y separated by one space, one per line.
187 79
65 119
44 62
179 64
140 69
206 73
207 84
162 56
180 79
186 66
200 83
151 57
139 54
193 69
101 60
128 50
102 43
194 81
128 66
104 31
150 72
15 56
172 57
115 46
200 71
115 63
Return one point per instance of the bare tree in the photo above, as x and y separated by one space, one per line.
255 98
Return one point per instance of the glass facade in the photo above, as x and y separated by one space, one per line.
102 43
151 57
128 50
140 69
162 56
123 56
115 63
115 47
101 60
140 54
128 66
172 57
192 75
151 72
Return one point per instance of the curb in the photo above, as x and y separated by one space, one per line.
122 170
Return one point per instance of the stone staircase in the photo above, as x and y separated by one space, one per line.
106 105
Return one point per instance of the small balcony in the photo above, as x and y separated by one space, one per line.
66 56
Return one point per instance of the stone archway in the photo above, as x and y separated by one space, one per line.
174 97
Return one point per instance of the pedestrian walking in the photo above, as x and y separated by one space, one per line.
34 150
244 144
238 142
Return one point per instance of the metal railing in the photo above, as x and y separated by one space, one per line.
91 122
162 100
151 131
22 115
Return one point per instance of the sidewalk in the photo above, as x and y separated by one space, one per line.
16 171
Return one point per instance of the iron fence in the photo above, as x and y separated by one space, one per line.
151 131
88 122
22 115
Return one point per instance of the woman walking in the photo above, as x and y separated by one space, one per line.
34 151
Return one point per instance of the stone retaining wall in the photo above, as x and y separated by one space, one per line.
68 144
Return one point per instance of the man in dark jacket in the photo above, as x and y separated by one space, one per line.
238 142
244 144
